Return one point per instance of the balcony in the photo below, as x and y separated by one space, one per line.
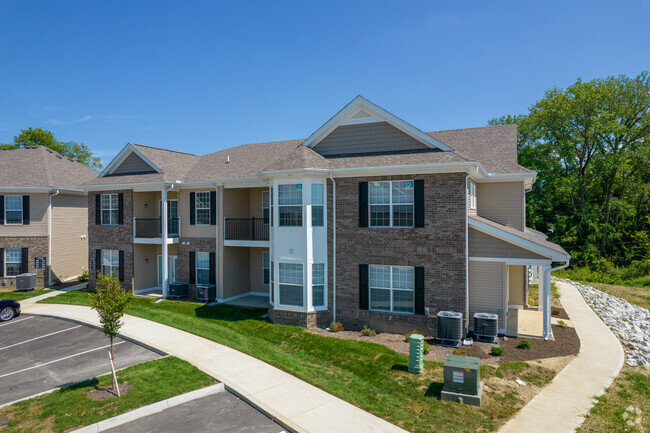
149 230
246 231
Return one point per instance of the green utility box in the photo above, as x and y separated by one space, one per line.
462 375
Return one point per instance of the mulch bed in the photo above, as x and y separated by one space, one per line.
563 315
108 392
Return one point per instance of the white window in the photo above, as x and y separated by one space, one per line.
202 208
472 195
290 205
392 288
391 204
13 209
13 262
318 284
291 284
202 268
111 262
266 208
265 268
317 204
110 209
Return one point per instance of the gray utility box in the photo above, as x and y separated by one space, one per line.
178 289
462 375
26 281
206 292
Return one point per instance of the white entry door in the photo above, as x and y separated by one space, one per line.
171 269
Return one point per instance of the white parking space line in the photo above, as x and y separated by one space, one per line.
38 338
16 321
60 359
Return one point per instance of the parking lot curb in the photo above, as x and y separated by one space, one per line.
150 409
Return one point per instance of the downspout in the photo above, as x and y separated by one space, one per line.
49 240
466 254
216 242
547 299
333 247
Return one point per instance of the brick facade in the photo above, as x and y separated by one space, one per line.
37 247
183 261
309 320
113 237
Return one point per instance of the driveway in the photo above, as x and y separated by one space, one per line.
40 353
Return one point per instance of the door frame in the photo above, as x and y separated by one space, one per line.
158 261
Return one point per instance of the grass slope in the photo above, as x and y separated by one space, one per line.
71 408
19 296
366 374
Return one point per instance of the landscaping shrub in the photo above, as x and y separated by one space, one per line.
461 352
497 351
368 331
84 275
524 344
336 327
425 347
407 337
562 323
555 312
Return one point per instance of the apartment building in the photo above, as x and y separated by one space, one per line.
43 216
369 220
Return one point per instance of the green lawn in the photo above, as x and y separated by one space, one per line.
533 295
71 408
368 375
19 296
629 391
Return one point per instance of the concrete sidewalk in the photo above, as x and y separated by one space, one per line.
295 404
562 405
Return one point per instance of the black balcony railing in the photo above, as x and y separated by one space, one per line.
246 229
152 227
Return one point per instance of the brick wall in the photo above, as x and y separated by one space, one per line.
115 237
309 320
183 261
439 247
37 247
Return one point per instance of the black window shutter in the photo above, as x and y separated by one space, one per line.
98 209
419 290
121 266
98 260
120 202
363 204
2 209
419 203
24 261
192 267
213 208
26 210
192 208
2 262
213 269
363 287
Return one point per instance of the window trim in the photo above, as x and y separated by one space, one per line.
22 211
196 268
19 262
302 286
110 209
390 204
272 283
472 196
196 208
320 205
391 289
267 219
322 306
113 273
301 205
265 268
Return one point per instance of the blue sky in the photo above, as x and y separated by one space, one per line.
202 76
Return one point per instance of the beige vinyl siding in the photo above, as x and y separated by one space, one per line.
133 164
516 284
146 273
367 138
502 202
69 236
255 202
236 203
487 289
194 231
484 245
236 267
150 198
38 216
256 272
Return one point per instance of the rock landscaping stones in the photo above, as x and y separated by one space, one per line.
629 322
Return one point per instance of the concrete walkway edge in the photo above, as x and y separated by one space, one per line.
141 412
562 405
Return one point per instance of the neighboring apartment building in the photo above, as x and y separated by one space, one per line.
43 216
368 221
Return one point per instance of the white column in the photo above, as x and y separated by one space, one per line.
546 295
165 264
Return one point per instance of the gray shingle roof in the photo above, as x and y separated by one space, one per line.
38 166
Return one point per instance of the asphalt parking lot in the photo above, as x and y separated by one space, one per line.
38 354
217 413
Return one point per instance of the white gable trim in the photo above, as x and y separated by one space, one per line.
378 115
124 153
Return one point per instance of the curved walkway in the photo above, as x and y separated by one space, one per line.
562 405
295 404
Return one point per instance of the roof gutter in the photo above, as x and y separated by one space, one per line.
41 190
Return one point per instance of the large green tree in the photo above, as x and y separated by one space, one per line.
40 137
590 145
